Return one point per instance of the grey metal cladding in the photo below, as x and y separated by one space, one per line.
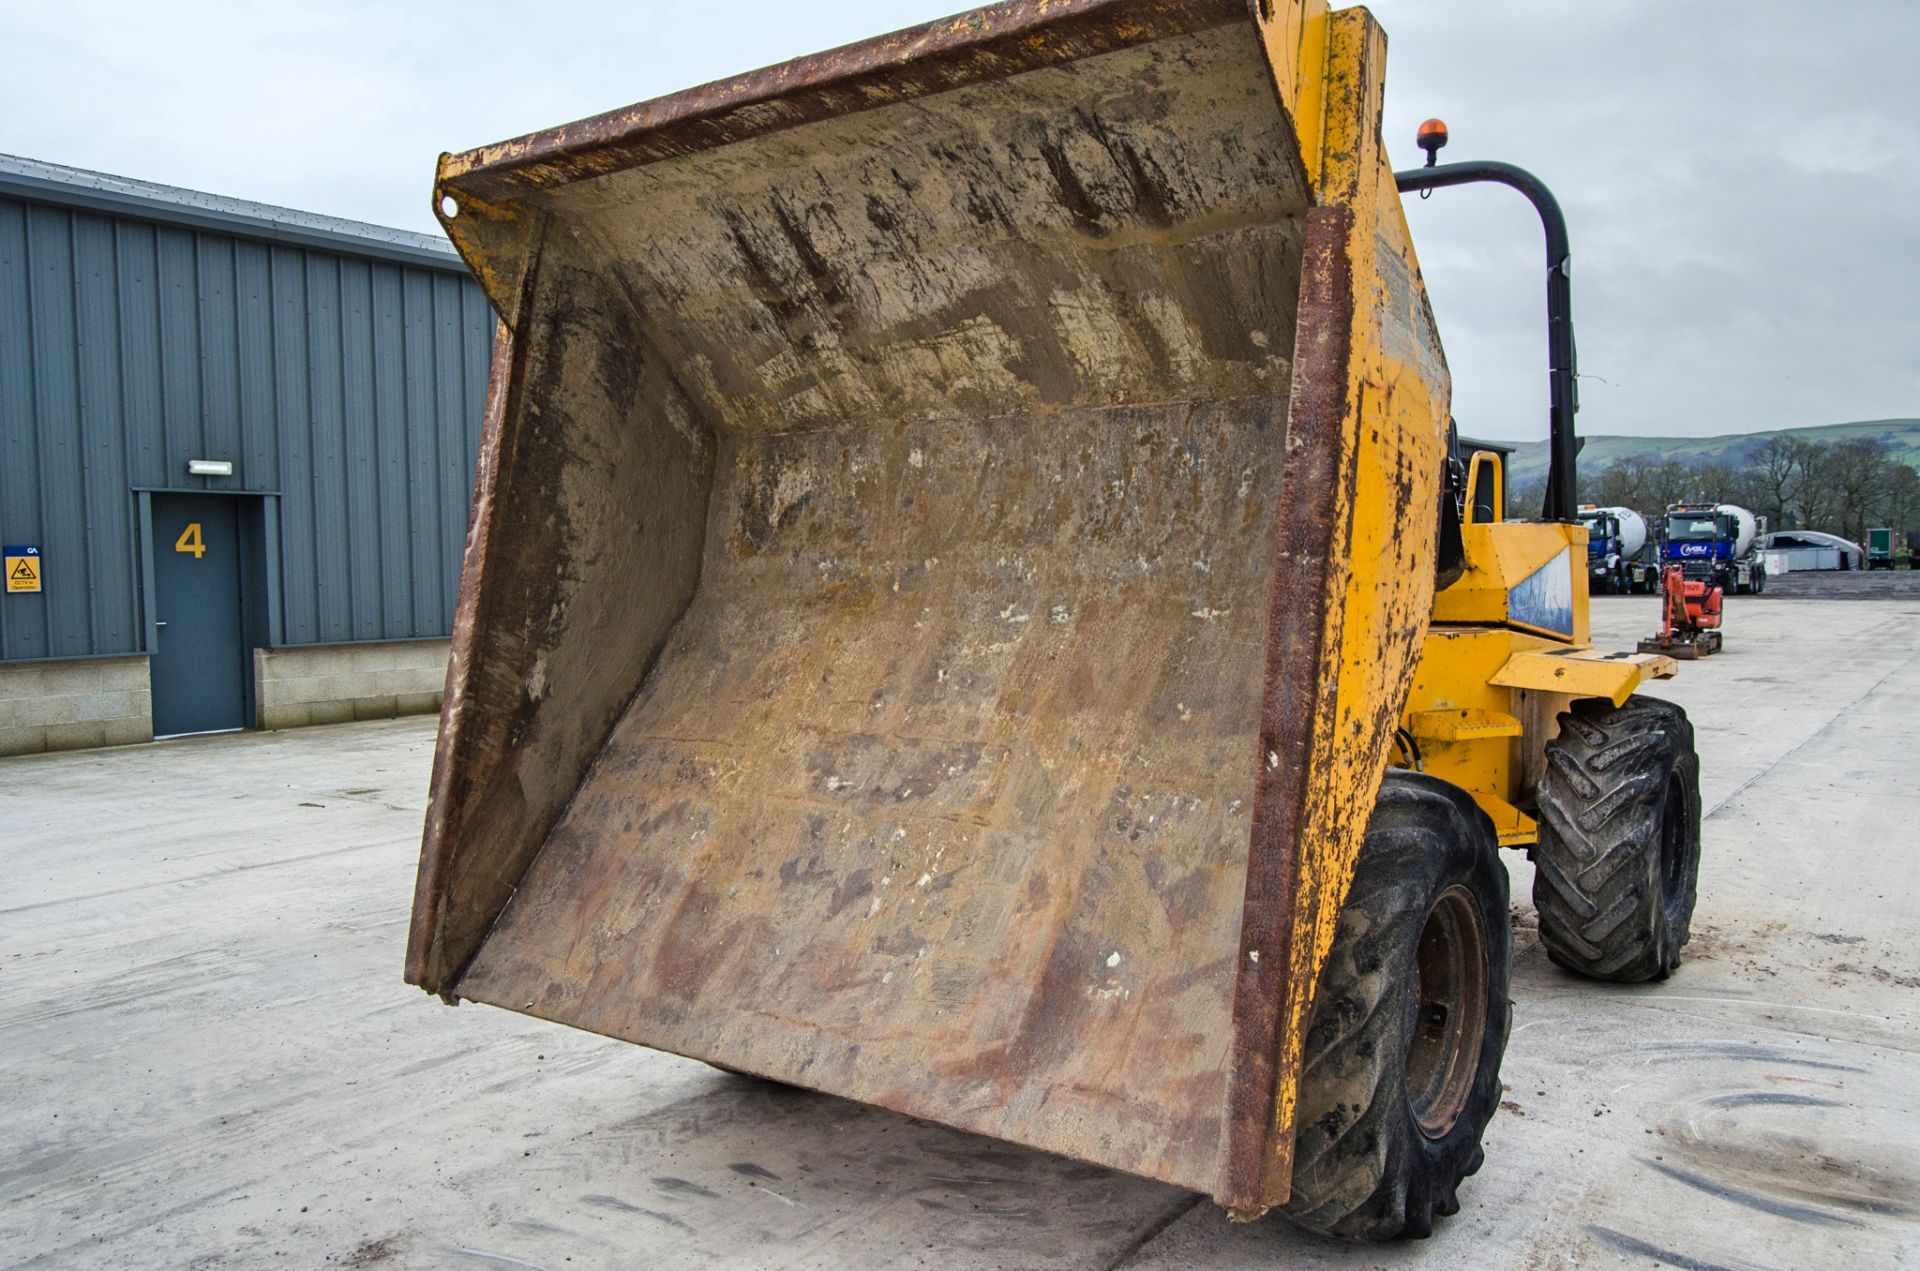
350 381
35 181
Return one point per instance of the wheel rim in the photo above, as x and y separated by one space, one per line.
1673 832
1443 1055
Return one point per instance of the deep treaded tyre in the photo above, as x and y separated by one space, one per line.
1402 1064
1619 852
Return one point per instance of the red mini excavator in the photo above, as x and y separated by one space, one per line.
1689 616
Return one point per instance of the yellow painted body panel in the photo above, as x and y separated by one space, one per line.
1584 672
1379 595
1488 690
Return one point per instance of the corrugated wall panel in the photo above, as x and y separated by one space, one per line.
139 319
298 600
450 403
362 449
327 431
351 386
178 276
258 412
23 618
108 501
219 431
423 453
390 440
56 400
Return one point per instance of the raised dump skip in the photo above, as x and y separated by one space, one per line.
863 675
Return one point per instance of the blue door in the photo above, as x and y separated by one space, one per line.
199 656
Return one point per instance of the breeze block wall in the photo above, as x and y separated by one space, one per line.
73 703
337 683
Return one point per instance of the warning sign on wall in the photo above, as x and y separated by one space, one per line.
22 568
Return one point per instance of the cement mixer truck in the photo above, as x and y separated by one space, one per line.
1615 537
1716 543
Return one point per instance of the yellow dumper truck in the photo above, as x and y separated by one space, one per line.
971 606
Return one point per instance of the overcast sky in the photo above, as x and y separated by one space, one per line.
1741 179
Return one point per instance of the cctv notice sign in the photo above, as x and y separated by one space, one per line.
22 568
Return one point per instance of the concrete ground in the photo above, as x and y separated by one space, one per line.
209 1058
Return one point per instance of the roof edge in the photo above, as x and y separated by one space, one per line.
35 180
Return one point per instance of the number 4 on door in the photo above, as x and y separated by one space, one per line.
189 541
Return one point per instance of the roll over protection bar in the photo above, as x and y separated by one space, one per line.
1562 386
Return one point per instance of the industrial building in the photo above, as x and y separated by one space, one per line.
1803 550
236 452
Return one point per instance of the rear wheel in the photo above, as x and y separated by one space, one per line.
1618 861
1402 1064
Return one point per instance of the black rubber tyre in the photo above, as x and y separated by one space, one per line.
1759 581
1402 1064
1618 859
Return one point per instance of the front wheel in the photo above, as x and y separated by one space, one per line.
1618 859
1402 1065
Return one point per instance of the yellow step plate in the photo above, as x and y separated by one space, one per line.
1462 724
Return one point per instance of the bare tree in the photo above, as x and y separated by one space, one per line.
1774 471
1813 497
1717 483
1858 469
1899 504
1525 500
1620 484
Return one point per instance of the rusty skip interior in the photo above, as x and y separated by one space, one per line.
862 644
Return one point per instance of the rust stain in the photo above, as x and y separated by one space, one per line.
1290 709
450 784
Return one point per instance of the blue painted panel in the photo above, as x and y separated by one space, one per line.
1544 598
200 663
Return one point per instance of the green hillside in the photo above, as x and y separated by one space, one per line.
1529 462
